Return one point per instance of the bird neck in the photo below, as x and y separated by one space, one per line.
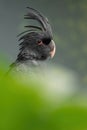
27 55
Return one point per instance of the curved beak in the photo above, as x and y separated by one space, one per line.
52 48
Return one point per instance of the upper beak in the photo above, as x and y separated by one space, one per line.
52 48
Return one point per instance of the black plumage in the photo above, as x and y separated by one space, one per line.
36 43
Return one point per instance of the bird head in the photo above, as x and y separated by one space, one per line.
37 41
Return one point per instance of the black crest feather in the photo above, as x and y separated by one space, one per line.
36 15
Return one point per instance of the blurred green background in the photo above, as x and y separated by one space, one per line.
63 102
29 106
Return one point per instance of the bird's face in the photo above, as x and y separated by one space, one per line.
37 42
44 47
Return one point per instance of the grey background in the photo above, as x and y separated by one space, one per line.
69 23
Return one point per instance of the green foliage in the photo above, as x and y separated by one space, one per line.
25 106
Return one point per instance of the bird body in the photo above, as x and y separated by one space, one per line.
36 45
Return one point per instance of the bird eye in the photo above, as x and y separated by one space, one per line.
39 42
